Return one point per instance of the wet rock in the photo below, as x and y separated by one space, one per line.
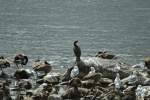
75 82
21 74
53 78
54 97
105 82
25 84
104 66
88 84
40 81
93 76
73 93
4 90
42 92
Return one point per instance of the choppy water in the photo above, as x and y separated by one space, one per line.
47 28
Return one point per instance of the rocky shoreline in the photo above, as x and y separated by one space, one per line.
102 77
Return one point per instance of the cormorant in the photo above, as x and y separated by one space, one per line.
77 50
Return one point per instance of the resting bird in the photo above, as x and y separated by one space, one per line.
3 64
105 55
42 66
74 72
20 59
77 50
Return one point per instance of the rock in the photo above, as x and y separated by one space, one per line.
52 78
40 81
4 90
24 83
93 76
88 84
72 93
105 81
21 74
75 82
54 97
104 66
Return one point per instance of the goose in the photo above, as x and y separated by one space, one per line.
42 66
20 59
3 64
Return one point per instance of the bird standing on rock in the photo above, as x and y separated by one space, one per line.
74 72
77 50
83 68
20 59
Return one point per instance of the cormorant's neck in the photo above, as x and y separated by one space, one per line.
75 43
78 59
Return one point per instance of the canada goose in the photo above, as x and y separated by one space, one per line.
20 59
42 66
3 64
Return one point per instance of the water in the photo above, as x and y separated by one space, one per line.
47 28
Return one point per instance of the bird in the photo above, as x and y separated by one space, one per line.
92 70
3 64
42 66
20 59
117 81
74 72
77 50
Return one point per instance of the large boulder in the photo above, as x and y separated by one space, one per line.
105 66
